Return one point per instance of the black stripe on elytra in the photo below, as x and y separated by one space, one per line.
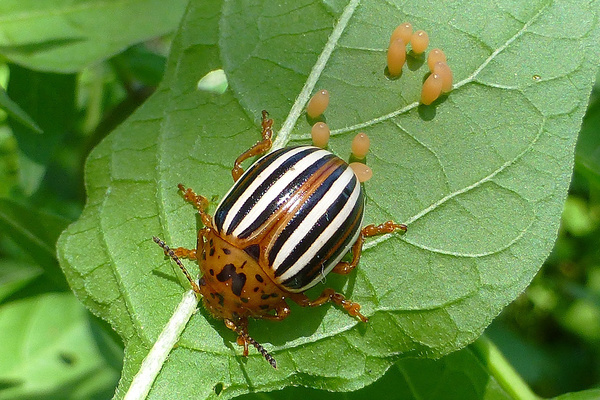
317 264
269 181
285 195
248 177
322 223
310 203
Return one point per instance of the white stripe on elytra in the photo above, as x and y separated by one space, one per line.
235 207
310 221
274 191
334 262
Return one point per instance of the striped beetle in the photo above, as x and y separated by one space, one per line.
284 225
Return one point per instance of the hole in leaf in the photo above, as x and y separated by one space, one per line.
218 388
214 82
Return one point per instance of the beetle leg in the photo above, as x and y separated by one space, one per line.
199 202
329 295
182 252
258 149
282 311
345 267
171 253
244 339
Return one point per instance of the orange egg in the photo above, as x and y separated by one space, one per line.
360 145
419 42
318 104
432 88
362 172
403 31
434 56
396 57
444 71
320 134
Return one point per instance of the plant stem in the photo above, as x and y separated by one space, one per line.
502 370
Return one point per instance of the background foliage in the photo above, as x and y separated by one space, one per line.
69 83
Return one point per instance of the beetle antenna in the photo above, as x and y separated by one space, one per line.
262 351
172 254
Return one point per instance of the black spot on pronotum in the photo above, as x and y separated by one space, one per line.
256 289
221 299
253 251
226 250
212 272
211 252
259 278
265 296
264 306
244 299
237 280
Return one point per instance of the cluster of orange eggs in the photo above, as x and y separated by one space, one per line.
440 79
320 135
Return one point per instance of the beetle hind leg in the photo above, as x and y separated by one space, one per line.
345 267
330 295
258 149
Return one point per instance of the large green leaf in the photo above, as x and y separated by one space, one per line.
480 178
67 35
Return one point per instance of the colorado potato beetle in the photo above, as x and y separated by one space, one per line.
284 225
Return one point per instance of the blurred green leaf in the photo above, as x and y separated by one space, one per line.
480 177
14 275
35 232
53 351
66 36
592 394
9 161
16 112
587 155
50 100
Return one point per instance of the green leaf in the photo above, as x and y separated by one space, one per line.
9 161
460 375
591 394
66 36
14 275
587 155
16 112
480 177
50 100
36 233
52 349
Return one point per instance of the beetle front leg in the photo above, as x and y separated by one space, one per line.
175 256
330 295
258 149
345 267
243 339
282 311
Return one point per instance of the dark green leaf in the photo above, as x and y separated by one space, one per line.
50 100
35 232
16 112
480 177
